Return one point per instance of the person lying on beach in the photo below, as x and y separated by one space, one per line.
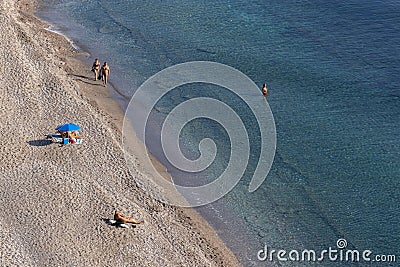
105 72
63 134
120 218
72 136
96 69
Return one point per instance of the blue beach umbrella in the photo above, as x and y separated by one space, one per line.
69 127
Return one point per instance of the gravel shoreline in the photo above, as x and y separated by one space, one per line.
55 200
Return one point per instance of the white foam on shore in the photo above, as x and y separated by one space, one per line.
53 29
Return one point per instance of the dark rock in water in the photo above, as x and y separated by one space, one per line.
110 28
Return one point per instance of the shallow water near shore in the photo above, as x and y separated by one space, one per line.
332 71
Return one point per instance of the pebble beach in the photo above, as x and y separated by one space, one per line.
55 200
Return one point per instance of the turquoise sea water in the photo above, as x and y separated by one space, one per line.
332 68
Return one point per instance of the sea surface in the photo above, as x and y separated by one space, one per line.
332 69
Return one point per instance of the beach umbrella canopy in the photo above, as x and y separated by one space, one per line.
69 127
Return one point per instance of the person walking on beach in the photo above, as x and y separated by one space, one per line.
96 69
264 90
105 72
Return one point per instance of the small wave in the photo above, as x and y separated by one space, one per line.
206 51
53 29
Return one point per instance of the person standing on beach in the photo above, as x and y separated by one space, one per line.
105 72
96 69
264 90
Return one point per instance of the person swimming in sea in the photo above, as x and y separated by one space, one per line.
264 90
